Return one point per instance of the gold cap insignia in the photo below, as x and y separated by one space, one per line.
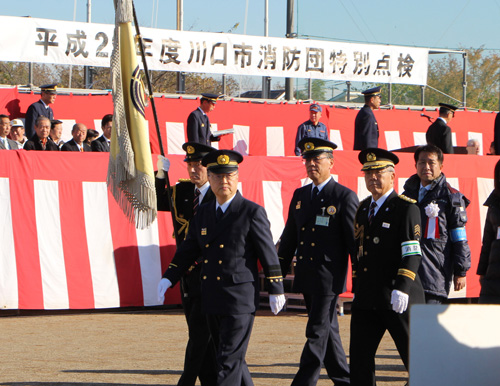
331 210
308 146
223 159
190 150
371 157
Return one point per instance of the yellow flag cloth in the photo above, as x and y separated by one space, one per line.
130 170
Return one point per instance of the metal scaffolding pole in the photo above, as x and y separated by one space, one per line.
290 26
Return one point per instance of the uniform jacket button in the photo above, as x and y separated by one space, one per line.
218 277
313 244
300 257
221 246
220 261
206 261
204 278
207 245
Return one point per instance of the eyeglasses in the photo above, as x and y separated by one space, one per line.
312 159
228 176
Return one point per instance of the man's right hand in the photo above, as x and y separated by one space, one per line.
163 165
163 286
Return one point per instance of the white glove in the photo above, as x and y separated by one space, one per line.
163 286
276 302
163 165
399 301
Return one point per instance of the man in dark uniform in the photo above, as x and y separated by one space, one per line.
198 124
496 133
385 279
233 235
366 131
79 133
40 140
319 231
312 127
188 195
439 133
102 143
445 250
41 108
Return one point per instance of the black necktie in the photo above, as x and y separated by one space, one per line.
315 192
196 200
218 214
371 213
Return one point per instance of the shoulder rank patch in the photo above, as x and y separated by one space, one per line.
403 197
416 230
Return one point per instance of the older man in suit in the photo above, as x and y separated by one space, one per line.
188 195
41 140
319 232
232 234
79 133
5 142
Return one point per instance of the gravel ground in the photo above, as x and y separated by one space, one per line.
147 348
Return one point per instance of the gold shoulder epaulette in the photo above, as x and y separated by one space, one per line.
184 180
403 197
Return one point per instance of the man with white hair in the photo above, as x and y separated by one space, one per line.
473 146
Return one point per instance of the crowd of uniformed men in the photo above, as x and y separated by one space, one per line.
405 249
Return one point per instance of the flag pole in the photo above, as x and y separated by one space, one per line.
155 116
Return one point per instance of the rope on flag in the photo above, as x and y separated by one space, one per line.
130 170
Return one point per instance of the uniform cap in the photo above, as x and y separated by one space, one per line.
311 147
315 107
222 161
447 106
211 97
16 122
196 151
49 88
372 91
374 158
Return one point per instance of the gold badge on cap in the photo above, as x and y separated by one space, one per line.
371 157
203 231
331 210
223 159
190 150
299 203
308 146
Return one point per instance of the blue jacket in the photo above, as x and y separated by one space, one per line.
231 250
34 111
198 128
308 129
446 256
322 250
366 130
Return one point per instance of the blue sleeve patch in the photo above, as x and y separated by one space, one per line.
458 234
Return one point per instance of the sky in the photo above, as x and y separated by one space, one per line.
425 23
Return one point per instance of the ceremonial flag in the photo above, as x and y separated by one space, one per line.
130 169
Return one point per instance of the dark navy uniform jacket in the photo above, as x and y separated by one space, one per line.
321 251
231 249
72 146
34 143
366 130
381 265
183 196
439 134
198 128
34 111
100 144
309 129
443 256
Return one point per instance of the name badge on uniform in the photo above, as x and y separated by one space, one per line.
322 220
386 225
203 231
298 205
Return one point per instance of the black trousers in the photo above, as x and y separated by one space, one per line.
323 345
367 329
199 360
231 334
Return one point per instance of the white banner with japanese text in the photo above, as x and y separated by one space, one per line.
62 42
